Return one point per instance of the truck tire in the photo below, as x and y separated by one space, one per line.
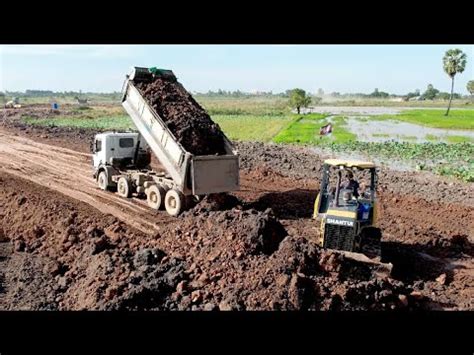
174 201
155 196
124 187
103 181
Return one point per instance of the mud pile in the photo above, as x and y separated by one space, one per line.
287 160
185 118
216 202
79 255
325 280
230 259
228 252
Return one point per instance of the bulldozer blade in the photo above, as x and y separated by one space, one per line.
380 270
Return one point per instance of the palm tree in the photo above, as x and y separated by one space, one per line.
454 61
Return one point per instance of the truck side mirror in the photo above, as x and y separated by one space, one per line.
96 146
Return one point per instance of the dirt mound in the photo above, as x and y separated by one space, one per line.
245 232
262 232
151 284
427 224
286 160
217 202
79 255
300 276
185 118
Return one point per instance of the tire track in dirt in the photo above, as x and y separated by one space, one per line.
70 173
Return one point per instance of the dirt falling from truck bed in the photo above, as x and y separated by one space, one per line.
185 118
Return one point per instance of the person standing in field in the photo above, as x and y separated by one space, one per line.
325 130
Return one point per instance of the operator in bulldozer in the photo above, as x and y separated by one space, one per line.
351 184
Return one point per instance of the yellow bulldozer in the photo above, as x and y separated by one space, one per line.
346 207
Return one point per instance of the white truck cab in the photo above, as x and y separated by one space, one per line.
111 148
115 153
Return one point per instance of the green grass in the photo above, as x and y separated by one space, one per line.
98 118
342 135
236 127
303 129
459 139
457 119
465 173
260 106
250 127
99 123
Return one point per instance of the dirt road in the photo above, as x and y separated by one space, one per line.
70 172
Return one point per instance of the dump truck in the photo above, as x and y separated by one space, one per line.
121 160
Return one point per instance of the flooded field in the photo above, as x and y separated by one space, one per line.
361 110
381 131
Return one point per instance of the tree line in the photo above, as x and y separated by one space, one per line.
49 93
454 62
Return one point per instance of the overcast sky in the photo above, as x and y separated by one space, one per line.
343 68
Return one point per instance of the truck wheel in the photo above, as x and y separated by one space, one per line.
103 181
124 187
174 201
154 196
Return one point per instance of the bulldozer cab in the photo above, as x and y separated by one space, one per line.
346 207
338 191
